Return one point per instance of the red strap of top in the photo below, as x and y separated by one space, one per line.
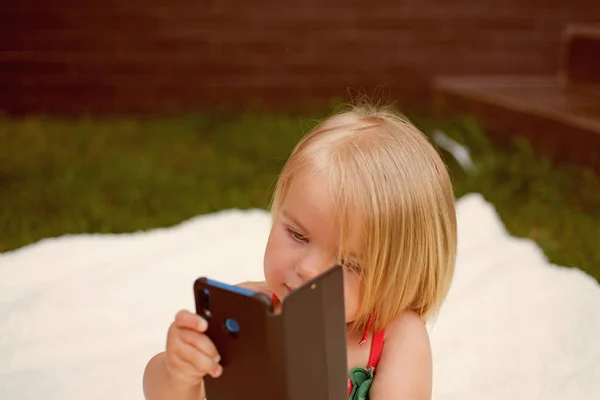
376 349
376 344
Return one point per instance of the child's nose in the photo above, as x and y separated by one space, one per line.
310 267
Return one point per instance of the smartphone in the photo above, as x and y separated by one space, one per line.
239 325
297 354
202 294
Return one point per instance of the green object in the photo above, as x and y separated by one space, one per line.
361 383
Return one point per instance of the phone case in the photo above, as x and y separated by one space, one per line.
295 355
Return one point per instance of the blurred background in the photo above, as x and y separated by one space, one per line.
126 116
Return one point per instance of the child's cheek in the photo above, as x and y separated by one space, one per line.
351 297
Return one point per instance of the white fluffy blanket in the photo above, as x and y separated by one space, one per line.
81 315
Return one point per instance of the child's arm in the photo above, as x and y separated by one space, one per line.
405 369
159 384
178 372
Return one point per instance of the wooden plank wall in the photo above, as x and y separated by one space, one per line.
156 56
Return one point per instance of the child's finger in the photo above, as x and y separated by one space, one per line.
200 342
201 363
189 320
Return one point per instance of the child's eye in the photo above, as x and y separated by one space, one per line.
296 235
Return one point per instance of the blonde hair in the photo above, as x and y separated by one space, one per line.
387 180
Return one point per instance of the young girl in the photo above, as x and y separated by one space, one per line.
367 190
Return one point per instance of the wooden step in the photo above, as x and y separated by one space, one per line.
562 121
580 55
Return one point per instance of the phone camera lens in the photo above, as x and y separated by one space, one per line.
232 326
206 303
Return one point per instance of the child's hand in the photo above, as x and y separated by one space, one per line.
257 287
190 353
264 288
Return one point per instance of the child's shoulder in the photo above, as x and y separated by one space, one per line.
409 326
406 340
406 353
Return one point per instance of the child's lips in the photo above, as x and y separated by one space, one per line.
289 288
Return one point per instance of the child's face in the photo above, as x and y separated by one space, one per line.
303 242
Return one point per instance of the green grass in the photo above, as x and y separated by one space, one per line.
125 174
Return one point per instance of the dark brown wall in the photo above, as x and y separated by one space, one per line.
174 55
